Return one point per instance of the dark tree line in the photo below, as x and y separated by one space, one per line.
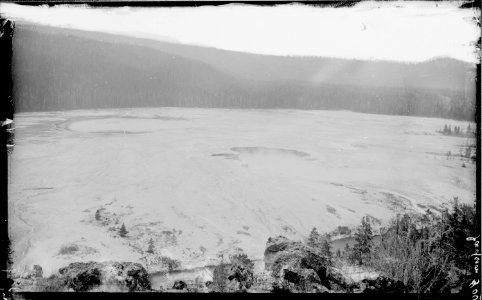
458 131
58 72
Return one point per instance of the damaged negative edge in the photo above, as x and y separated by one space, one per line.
6 139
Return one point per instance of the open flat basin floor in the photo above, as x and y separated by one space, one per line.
117 125
201 181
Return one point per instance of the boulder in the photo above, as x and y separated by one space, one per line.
179 285
315 262
280 287
136 277
292 277
281 251
305 280
242 274
273 247
82 277
107 276
37 271
301 266
382 285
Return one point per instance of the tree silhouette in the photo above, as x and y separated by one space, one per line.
123 231
220 276
314 238
363 241
150 249
326 250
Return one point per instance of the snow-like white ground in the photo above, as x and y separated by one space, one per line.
202 181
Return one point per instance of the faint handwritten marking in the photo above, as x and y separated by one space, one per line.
475 283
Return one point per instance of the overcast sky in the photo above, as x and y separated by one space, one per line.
411 32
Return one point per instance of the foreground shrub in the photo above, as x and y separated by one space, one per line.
95 276
68 250
241 270
54 283
428 254
362 249
220 277
170 263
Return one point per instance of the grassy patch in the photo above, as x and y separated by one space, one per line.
70 249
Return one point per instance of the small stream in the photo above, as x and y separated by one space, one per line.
167 279
341 243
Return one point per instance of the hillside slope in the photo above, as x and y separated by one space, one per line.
57 69
444 72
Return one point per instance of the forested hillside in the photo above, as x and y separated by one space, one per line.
57 69
444 73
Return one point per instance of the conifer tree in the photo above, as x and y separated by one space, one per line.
123 231
220 276
314 238
150 249
326 250
363 242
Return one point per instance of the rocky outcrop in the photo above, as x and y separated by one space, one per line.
242 274
82 277
298 267
179 285
295 265
273 247
96 276
382 285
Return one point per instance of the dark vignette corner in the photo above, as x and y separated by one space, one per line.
6 111
7 106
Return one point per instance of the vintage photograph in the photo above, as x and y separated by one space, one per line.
246 148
